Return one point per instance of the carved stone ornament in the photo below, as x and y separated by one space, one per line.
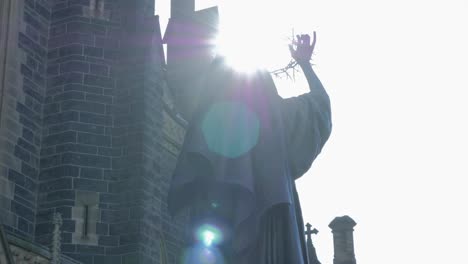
23 256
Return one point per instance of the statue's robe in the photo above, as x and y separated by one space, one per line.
244 148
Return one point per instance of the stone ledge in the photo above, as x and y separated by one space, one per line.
29 252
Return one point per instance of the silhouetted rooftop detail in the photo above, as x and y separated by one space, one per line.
342 223
343 241
312 254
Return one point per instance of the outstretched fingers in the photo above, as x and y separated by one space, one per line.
301 49
313 41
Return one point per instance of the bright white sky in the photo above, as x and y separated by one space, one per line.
397 75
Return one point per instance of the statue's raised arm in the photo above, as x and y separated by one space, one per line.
303 54
307 117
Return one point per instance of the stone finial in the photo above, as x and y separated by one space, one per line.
56 243
342 229
342 223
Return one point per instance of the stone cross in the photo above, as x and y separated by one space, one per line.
310 232
312 254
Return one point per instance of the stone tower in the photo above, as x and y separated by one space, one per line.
343 241
88 130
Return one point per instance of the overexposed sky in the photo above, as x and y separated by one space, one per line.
397 75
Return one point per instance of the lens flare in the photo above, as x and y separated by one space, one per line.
209 235
202 255
230 128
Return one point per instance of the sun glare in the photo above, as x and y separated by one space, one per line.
253 38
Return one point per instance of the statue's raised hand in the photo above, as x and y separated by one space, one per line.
304 49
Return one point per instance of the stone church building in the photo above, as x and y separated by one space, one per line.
89 134
88 130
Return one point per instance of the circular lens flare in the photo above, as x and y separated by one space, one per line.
230 128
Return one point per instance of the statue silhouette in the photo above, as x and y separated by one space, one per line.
243 149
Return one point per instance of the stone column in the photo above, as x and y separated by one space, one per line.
181 11
189 54
182 7
5 8
342 229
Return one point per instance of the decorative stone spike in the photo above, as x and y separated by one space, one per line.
56 239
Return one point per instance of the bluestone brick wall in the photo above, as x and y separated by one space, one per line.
85 121
21 115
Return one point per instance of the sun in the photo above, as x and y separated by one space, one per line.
250 39
242 49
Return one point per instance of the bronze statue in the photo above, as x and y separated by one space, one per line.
244 148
